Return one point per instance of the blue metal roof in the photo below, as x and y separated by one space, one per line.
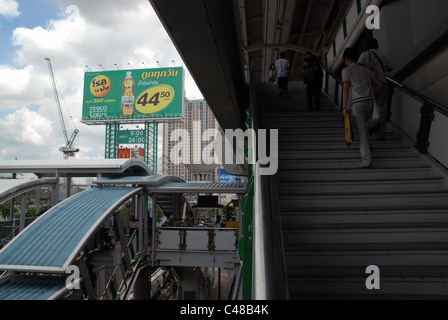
51 242
211 187
168 184
26 288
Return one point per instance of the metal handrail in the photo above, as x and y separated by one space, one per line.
270 280
439 107
269 277
115 272
424 99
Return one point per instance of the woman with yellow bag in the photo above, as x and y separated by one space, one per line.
362 84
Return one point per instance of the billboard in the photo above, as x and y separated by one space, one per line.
133 96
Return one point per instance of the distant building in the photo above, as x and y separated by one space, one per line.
197 118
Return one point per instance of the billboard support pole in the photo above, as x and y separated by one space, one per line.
151 138
111 140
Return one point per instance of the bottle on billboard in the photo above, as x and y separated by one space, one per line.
128 96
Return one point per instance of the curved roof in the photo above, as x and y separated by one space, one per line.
77 167
15 287
52 241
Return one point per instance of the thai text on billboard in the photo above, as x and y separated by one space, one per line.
133 95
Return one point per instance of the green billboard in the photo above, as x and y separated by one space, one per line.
133 96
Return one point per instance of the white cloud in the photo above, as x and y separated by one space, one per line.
26 134
9 9
100 32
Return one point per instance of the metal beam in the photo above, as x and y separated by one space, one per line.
124 245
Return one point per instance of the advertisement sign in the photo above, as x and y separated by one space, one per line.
131 96
131 153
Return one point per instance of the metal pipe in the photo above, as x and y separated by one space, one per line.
269 278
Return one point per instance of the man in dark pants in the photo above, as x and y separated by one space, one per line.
313 79
282 69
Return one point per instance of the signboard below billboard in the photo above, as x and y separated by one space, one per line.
133 96
131 137
131 153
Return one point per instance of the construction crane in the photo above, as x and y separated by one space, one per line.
69 150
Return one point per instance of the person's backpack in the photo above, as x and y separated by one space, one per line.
308 75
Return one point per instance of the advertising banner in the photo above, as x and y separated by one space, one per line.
133 96
128 153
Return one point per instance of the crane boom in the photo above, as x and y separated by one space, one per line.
68 150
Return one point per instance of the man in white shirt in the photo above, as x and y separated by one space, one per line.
282 69
379 64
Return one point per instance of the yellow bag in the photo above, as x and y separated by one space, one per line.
348 131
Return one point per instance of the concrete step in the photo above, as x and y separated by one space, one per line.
354 288
362 187
395 260
293 219
365 202
405 153
288 173
292 163
366 239
337 144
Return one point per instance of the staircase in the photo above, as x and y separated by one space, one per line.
338 219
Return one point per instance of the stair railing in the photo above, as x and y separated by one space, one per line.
117 284
269 277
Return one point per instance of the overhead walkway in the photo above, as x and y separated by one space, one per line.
337 220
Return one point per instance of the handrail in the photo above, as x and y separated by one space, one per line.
114 273
443 109
269 272
269 277
418 95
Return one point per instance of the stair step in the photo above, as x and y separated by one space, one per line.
382 259
338 144
286 174
366 239
361 187
344 154
351 163
347 288
366 202
360 219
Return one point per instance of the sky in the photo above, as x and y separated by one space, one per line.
73 34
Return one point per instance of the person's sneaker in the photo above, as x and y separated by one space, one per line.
365 166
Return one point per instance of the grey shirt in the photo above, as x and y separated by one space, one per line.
357 77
